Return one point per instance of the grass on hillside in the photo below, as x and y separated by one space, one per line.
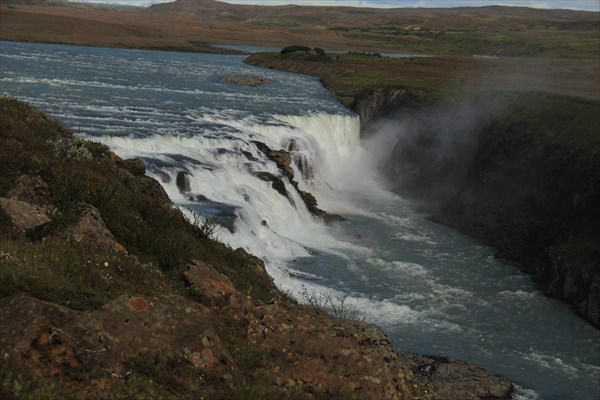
570 122
435 78
156 235
158 238
513 42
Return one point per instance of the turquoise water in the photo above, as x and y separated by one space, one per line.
432 289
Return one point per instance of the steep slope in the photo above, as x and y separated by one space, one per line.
521 173
533 192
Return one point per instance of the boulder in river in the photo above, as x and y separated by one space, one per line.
243 80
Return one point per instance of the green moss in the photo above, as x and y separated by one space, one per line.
18 382
562 120
156 235
77 276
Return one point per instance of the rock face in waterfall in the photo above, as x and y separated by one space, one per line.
283 160
529 186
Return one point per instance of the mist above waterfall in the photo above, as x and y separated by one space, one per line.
425 153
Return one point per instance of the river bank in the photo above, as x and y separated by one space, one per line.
448 164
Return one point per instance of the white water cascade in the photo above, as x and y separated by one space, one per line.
228 177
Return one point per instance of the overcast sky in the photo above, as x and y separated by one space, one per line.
588 5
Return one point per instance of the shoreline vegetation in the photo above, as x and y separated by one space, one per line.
70 285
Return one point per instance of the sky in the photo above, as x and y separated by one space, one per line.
587 5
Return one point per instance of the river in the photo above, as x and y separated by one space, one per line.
432 289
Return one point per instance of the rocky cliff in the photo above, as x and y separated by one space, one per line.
430 145
107 291
526 182
375 105
533 192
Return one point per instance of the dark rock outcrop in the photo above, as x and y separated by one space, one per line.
129 171
92 231
243 80
29 219
381 103
276 182
283 160
134 165
31 190
537 201
183 182
450 379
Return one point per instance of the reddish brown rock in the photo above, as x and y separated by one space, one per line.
137 303
92 230
55 340
215 290
26 217
316 350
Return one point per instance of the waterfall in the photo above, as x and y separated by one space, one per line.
222 172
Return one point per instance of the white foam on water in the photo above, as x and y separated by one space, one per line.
520 393
412 269
552 362
274 227
411 237
511 295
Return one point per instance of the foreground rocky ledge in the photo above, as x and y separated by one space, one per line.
308 351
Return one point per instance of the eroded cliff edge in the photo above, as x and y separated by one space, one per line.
519 171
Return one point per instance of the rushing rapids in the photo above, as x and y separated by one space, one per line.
432 290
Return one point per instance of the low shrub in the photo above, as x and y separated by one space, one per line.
294 48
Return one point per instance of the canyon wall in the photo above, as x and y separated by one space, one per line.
519 172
